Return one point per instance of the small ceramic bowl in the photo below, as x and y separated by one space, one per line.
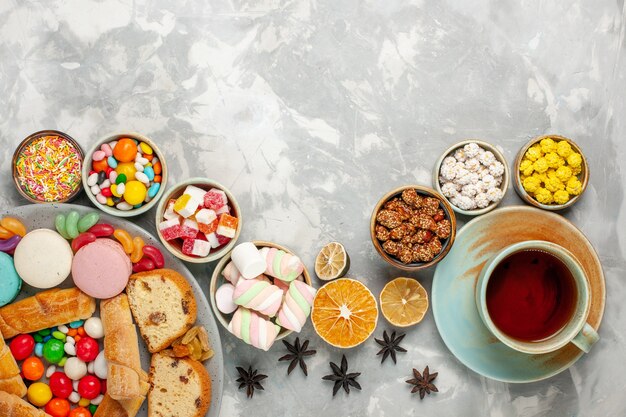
114 211
175 246
504 185
16 172
583 176
446 244
217 280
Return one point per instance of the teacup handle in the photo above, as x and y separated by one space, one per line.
586 338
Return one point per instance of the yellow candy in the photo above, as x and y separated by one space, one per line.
126 168
574 160
110 202
145 148
531 184
564 149
540 165
564 173
543 196
574 187
135 192
181 202
547 145
554 160
525 164
576 170
561 197
533 153
84 402
541 177
114 190
553 184
137 252
39 394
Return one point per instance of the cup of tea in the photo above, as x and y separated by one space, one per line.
534 297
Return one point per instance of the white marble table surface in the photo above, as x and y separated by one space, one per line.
310 111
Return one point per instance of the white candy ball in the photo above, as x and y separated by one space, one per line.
100 366
75 369
74 397
93 327
224 298
70 349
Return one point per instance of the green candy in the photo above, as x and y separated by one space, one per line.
59 224
62 361
87 221
53 350
58 335
120 179
71 224
38 338
92 409
44 332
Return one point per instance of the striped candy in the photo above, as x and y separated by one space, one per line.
297 306
253 329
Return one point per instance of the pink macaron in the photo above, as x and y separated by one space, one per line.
101 269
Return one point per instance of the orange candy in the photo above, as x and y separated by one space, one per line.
72 332
81 331
4 233
125 150
77 338
157 178
80 412
157 168
32 368
58 407
99 166
148 157
13 225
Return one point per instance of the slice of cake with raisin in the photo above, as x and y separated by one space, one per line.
163 306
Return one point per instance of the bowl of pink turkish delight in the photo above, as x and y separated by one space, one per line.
198 220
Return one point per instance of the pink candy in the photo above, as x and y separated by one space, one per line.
170 229
215 199
98 155
189 229
196 247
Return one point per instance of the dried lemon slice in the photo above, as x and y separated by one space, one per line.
403 302
332 262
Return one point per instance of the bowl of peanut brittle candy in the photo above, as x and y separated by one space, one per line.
413 227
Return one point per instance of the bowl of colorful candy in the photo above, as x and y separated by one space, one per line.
551 172
198 220
261 292
47 167
413 227
124 174
473 177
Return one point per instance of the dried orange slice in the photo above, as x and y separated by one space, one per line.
332 262
403 302
344 313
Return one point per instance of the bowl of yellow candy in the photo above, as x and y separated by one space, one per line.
550 172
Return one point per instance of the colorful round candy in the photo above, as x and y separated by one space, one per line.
32 368
53 350
125 150
89 387
87 349
22 346
135 192
93 327
60 385
75 369
80 412
58 407
39 394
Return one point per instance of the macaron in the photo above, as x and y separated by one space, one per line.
101 269
10 281
43 259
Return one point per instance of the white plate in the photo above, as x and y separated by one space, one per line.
37 216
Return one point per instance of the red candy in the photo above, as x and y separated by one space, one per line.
155 255
60 385
89 387
32 368
102 230
58 407
222 239
188 247
82 240
106 192
215 199
22 346
145 264
87 349
100 166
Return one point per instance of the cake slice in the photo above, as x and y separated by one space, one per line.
178 387
163 306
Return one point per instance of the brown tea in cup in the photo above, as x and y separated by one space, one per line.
531 295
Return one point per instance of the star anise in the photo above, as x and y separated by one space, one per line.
423 382
250 379
297 353
342 378
390 345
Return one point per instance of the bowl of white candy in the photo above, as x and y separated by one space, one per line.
473 176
